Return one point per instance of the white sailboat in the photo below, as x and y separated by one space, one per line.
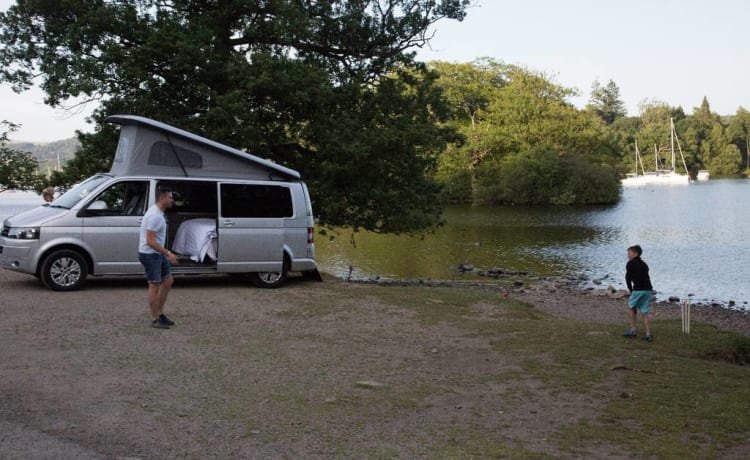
659 176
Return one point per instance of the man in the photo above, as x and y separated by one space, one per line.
156 259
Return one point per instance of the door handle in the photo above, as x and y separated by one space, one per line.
140 221
228 223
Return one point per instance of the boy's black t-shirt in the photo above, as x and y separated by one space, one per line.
636 275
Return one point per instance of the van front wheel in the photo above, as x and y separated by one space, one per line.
64 270
269 279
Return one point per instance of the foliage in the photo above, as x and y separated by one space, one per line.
518 132
606 103
726 163
542 176
328 88
738 133
18 170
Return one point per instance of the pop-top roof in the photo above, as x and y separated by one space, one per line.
149 147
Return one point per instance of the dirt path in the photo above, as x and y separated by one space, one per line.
312 370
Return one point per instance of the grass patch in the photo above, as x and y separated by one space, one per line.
682 396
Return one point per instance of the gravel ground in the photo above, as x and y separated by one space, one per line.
312 370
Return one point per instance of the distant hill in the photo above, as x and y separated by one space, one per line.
50 155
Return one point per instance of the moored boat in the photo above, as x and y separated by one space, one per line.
658 176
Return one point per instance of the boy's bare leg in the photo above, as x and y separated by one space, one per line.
646 323
632 318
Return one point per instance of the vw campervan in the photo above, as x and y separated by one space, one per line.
233 213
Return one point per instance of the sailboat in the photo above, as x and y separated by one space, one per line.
659 176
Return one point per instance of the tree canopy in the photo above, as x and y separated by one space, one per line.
606 103
329 88
523 142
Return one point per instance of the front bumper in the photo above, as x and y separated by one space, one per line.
17 255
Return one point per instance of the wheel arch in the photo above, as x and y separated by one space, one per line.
69 246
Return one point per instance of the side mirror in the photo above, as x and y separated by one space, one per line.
97 205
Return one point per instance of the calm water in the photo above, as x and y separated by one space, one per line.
695 239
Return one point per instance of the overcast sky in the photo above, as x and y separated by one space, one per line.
669 50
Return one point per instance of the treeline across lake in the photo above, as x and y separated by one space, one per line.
522 142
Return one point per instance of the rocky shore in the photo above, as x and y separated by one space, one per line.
576 298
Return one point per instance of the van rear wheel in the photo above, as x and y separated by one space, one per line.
64 270
270 280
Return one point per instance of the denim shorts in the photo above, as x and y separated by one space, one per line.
640 300
157 266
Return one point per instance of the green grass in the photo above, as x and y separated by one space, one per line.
682 396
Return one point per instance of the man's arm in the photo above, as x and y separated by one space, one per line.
151 241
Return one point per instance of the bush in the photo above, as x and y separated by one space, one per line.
542 176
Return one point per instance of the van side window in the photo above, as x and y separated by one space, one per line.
165 154
121 199
246 200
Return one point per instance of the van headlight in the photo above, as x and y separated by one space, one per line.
24 233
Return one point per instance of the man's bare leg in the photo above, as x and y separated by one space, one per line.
164 288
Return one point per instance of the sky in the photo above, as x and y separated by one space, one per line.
667 50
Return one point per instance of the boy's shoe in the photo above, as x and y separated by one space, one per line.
629 334
164 320
647 338
159 325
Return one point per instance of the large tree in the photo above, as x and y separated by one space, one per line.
327 87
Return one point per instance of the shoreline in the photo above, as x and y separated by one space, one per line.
566 298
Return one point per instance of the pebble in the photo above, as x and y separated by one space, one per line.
369 384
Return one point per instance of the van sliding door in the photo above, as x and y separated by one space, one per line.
251 226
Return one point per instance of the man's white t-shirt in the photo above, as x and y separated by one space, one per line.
154 221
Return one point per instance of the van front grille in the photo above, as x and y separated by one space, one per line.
6 230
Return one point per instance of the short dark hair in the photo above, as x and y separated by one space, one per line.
637 249
161 191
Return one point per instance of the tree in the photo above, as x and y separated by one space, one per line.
329 88
519 132
738 133
18 170
726 163
605 102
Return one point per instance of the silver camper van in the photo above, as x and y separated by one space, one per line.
233 213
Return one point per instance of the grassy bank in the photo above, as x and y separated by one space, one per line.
683 396
337 370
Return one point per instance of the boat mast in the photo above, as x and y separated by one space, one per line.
639 159
671 141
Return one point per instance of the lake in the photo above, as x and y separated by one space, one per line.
695 240
694 237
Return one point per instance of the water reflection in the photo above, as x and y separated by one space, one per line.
694 239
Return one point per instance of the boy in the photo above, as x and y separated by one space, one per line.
639 285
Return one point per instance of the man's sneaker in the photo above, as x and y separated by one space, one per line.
629 334
159 325
647 338
164 320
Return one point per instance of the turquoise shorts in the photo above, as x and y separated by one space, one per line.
640 300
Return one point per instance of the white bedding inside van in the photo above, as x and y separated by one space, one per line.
196 238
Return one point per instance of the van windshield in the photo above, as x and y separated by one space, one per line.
80 191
